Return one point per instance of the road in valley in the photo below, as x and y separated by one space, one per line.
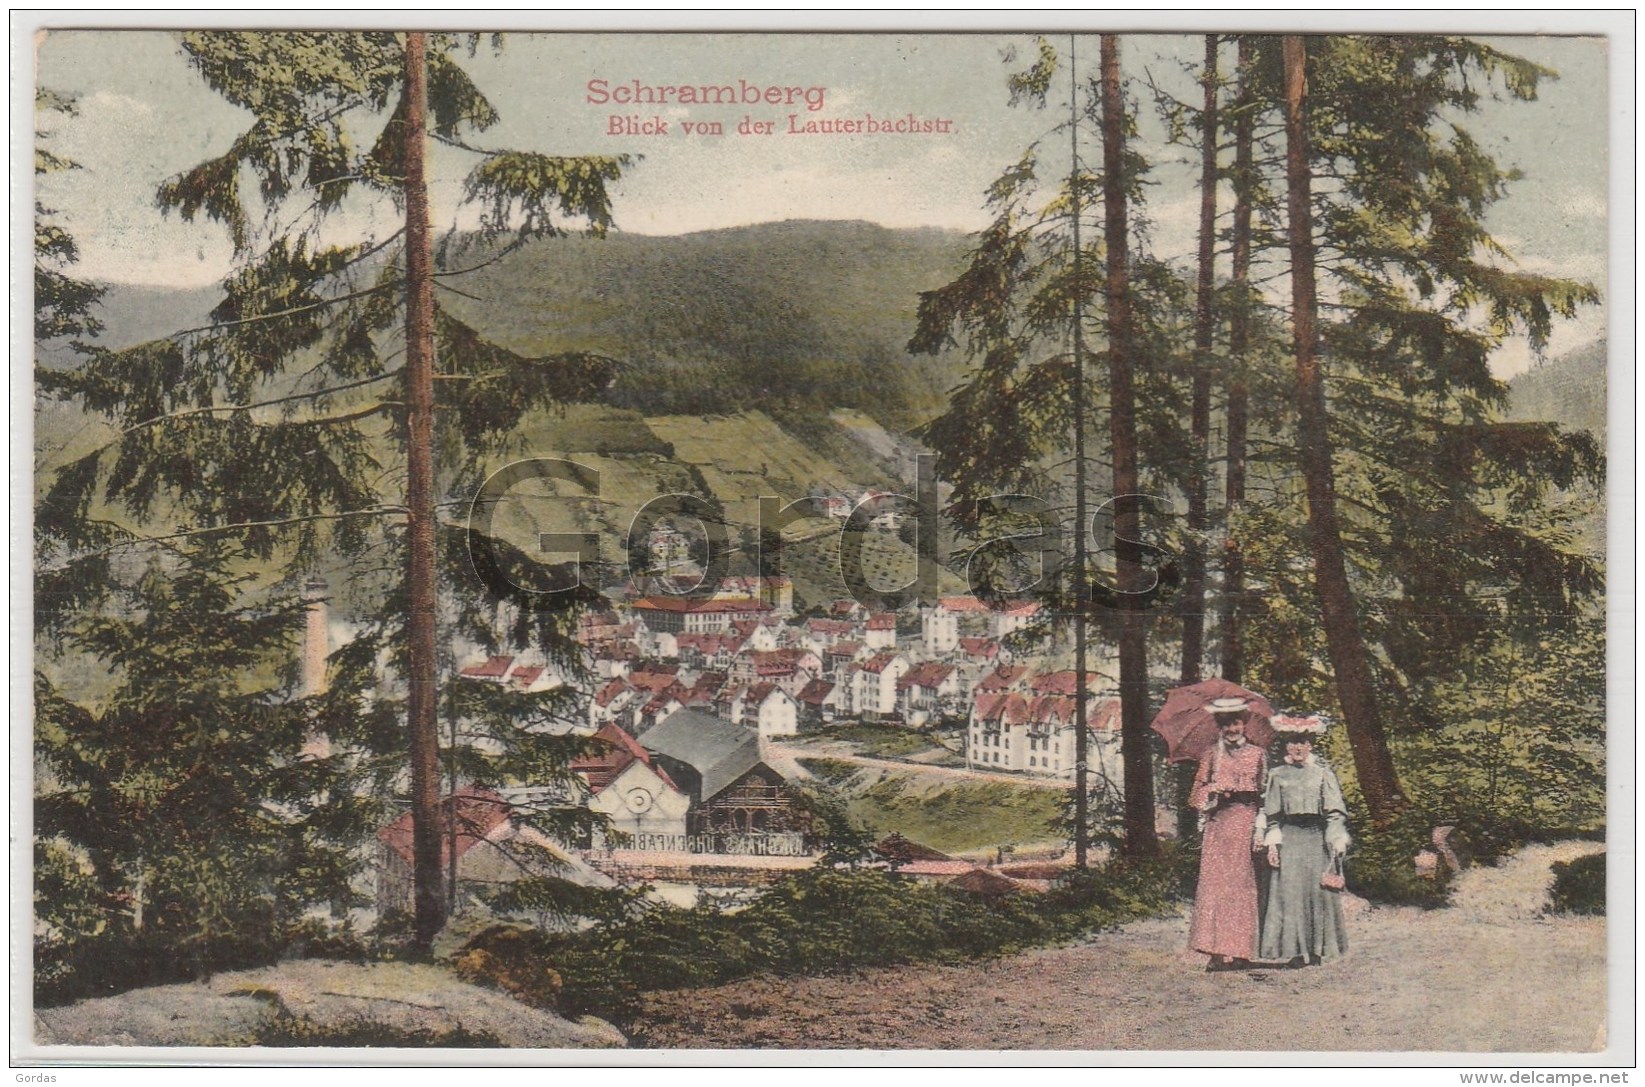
791 753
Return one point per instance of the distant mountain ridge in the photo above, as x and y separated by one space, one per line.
792 318
1571 390
795 318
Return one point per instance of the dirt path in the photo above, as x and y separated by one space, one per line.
1490 974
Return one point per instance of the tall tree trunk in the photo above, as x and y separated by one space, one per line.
1141 841
422 708
1199 415
1239 342
1082 740
1355 690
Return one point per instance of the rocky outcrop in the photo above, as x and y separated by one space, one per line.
317 999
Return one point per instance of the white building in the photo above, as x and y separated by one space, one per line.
874 684
769 710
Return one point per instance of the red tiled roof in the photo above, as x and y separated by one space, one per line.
1052 709
980 647
707 644
661 699
1002 678
609 693
844 649
710 681
828 626
816 692
1022 607
882 621
1009 710
693 604
525 677
929 674
758 693
478 812
493 668
617 750
961 603
778 662
877 663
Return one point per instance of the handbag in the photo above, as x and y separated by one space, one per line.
1331 879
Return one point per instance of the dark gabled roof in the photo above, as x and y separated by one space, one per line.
719 750
930 674
816 692
478 812
491 668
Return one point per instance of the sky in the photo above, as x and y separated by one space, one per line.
145 116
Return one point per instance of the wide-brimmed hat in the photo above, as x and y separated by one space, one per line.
1289 727
1228 705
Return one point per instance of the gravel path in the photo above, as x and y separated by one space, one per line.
1491 974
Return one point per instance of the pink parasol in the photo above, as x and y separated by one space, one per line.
1188 727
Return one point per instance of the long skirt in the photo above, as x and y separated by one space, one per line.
1302 917
1225 906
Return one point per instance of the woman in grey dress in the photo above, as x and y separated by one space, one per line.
1306 832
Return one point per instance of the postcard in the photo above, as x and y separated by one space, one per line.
1020 543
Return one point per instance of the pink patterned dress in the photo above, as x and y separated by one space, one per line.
1228 790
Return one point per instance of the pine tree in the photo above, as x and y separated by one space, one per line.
1194 560
1402 242
179 826
294 367
1013 442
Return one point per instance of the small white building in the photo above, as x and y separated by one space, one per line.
769 710
880 632
641 801
874 683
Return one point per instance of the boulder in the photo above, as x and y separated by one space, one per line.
315 997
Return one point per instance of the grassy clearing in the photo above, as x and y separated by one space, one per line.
884 741
945 813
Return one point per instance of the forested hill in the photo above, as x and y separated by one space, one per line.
1570 390
791 318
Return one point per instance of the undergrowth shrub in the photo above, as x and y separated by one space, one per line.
1381 865
1579 885
826 920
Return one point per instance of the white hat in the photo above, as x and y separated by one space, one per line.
1228 705
1311 727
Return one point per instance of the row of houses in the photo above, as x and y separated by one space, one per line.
850 663
1026 722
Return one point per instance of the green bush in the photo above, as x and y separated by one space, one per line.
1381 865
1579 885
830 919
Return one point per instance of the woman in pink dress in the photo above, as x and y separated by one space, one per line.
1228 793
